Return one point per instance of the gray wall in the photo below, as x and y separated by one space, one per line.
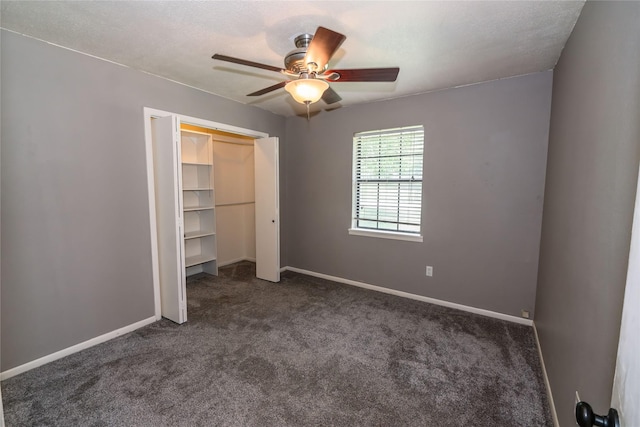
485 156
76 257
589 197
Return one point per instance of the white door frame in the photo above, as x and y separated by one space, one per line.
148 114
1 411
626 385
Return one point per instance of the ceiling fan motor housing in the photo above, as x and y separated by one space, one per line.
294 61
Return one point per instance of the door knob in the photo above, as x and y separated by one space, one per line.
586 418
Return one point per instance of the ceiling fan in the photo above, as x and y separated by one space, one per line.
308 64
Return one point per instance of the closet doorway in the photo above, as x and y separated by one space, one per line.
234 178
243 201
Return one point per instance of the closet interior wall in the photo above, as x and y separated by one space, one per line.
233 165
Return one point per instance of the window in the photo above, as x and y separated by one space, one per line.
387 183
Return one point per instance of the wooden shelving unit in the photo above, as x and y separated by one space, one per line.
198 203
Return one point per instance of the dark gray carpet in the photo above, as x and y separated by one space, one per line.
302 352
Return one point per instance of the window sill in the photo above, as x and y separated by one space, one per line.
385 235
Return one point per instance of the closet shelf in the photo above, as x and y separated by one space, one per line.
197 189
197 163
197 208
197 234
198 259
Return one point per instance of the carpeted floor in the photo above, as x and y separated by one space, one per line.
303 352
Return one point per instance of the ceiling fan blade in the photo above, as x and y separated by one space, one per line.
269 89
363 75
245 62
322 47
330 96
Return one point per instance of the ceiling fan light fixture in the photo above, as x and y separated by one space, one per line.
307 90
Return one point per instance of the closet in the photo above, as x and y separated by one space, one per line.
233 175
214 201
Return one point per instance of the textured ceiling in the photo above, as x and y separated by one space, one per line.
436 44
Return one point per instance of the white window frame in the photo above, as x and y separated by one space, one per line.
385 234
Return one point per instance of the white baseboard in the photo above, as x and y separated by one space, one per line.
554 414
233 261
435 301
74 349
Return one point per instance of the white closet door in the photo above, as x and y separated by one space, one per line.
166 156
267 209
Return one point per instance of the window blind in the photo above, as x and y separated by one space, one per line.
388 179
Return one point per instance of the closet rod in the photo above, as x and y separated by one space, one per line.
235 204
233 142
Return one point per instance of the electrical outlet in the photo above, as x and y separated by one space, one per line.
525 313
429 271
577 397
